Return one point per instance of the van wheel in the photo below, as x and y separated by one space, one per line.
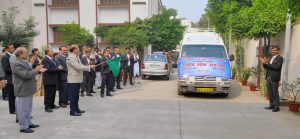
143 77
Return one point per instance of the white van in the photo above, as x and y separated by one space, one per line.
204 65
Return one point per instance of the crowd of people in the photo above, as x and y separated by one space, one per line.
73 72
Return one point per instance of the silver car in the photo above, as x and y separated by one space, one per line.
156 65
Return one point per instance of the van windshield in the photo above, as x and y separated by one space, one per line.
215 51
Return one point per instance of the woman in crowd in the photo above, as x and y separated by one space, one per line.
35 60
136 68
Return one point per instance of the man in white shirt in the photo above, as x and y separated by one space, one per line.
273 77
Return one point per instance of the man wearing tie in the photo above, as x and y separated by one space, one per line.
273 75
128 62
62 85
50 80
75 77
105 73
9 88
87 83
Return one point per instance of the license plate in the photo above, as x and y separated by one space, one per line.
205 90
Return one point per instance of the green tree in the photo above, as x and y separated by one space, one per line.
101 31
164 30
269 18
17 33
74 34
127 36
204 21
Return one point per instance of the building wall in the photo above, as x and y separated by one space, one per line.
138 9
113 15
39 12
62 16
87 7
24 7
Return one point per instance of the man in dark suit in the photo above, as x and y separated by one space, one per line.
273 75
105 73
117 79
127 64
62 81
87 83
9 88
50 79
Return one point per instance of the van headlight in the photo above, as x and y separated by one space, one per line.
185 77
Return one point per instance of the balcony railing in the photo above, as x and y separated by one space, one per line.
65 3
114 3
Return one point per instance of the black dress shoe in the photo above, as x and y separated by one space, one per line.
269 108
5 99
28 130
81 111
17 121
67 103
119 88
112 91
276 110
12 112
48 110
75 114
93 92
102 95
110 95
34 126
90 95
63 105
82 95
98 87
132 84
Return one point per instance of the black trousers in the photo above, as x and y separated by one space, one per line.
87 83
73 91
273 92
106 81
9 90
118 80
112 80
63 94
128 73
49 99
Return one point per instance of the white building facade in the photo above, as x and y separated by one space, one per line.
51 14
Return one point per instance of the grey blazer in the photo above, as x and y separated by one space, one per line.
75 69
23 78
2 73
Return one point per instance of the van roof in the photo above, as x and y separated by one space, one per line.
210 38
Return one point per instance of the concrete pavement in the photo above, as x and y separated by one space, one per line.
153 110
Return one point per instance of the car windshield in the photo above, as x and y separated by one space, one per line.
157 57
215 51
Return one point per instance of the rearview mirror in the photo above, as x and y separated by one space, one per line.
231 58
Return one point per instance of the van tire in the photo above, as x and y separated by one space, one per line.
179 92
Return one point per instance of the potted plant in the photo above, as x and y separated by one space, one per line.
252 87
254 73
233 70
293 91
264 89
245 75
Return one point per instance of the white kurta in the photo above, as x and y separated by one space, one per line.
136 66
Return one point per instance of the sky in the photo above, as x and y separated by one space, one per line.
189 9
